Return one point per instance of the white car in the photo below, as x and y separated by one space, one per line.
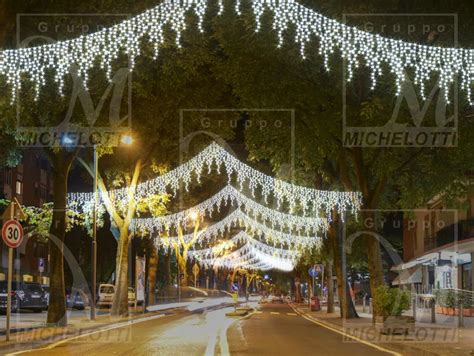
105 297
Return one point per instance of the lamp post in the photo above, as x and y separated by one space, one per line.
126 140
94 236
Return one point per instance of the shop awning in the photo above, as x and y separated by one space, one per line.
408 276
428 259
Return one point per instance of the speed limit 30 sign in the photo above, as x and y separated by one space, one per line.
12 233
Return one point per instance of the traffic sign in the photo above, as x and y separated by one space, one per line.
235 287
40 264
14 211
195 269
12 233
313 272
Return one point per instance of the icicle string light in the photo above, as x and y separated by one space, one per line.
213 158
252 227
249 257
243 237
353 44
231 196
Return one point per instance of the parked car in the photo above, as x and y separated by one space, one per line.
131 296
75 299
25 295
105 296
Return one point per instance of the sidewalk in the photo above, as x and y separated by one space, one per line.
444 337
37 334
76 327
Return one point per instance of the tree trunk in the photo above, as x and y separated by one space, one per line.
61 163
152 267
374 258
167 270
332 233
120 303
183 282
330 286
297 285
346 306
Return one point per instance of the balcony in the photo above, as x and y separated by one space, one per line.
464 230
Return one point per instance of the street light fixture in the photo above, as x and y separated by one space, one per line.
194 215
126 140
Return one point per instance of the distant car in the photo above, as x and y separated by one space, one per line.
105 296
131 296
275 299
25 295
75 299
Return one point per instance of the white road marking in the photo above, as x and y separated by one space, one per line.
223 344
116 326
380 348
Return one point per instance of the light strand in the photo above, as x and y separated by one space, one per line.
354 44
231 196
214 157
252 227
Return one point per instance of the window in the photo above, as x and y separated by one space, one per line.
19 188
466 276
9 177
447 282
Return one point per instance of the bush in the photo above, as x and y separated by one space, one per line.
450 300
390 301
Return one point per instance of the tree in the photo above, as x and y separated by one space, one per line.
182 247
386 177
152 266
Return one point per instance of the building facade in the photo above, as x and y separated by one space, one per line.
438 245
30 182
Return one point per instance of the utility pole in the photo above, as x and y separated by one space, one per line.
94 237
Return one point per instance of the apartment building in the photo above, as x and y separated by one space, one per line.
30 182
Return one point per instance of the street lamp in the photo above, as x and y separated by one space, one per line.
194 215
126 140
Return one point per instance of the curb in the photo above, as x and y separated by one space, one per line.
393 347
64 334
58 334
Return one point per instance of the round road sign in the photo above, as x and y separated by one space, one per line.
12 233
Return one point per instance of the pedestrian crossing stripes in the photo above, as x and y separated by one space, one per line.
275 313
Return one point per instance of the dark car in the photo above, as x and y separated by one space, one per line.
75 299
25 295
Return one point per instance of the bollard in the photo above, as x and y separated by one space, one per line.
433 311
363 304
461 315
370 306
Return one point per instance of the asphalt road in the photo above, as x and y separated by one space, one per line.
175 334
275 330
278 330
